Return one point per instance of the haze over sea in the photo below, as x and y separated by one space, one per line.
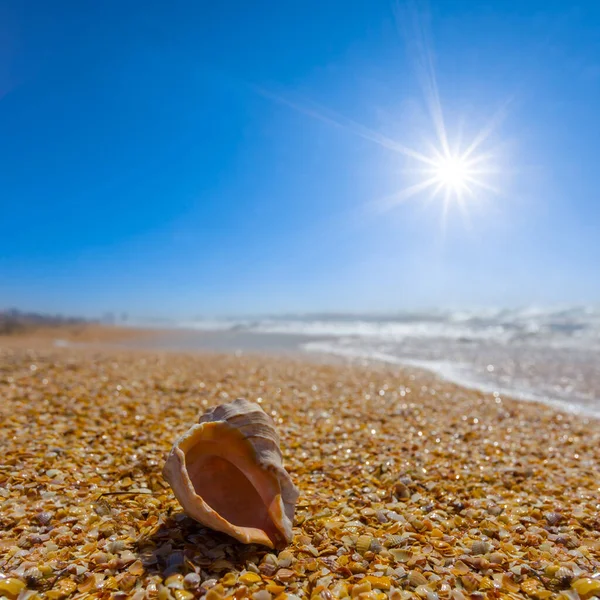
552 355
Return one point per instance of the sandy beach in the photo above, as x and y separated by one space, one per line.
409 486
300 300
45 336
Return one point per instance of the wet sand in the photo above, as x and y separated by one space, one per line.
410 486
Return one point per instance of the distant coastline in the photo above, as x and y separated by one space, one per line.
14 321
28 327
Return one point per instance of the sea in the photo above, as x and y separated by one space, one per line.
539 354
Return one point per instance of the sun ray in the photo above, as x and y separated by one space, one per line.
420 46
457 170
445 210
329 116
388 202
483 185
488 129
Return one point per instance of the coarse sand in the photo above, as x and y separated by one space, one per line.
410 487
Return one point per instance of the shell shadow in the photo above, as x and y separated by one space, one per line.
181 545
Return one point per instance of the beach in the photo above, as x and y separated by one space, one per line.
410 486
548 355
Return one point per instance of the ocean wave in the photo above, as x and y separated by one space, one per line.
565 326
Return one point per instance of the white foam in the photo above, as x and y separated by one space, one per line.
562 328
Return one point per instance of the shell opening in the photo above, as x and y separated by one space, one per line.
227 490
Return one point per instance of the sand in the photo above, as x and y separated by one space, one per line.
44 336
410 487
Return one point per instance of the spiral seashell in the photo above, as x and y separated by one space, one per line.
363 544
393 541
227 473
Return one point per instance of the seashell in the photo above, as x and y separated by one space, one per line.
174 582
508 583
191 580
569 541
356 567
445 549
401 491
486 584
564 576
33 577
115 546
382 516
249 578
477 562
284 575
400 554
553 518
572 542
285 559
551 570
416 579
424 591
586 587
530 586
480 547
363 587
380 583
44 517
267 568
227 473
65 587
363 544
470 582
392 541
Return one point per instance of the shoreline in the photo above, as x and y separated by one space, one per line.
270 345
450 372
457 492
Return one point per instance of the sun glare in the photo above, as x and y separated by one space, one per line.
452 172
455 171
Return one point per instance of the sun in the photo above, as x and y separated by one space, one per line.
452 173
457 172
455 177
463 166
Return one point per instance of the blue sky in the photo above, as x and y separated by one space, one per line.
209 158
